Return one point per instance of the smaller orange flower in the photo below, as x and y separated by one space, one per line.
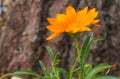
72 21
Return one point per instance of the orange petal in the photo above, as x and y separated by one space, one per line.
84 29
95 21
68 30
61 17
81 14
89 17
97 24
53 35
55 28
91 11
52 20
57 23
70 11
51 28
76 28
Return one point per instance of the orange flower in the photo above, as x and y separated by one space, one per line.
72 21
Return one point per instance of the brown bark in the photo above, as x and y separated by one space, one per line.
23 41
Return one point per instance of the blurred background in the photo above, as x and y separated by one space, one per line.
23 34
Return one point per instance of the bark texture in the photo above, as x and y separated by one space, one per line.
22 43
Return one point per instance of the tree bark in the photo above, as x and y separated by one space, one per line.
23 41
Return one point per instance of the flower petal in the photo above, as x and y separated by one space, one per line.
52 20
70 11
72 22
95 21
81 14
53 35
84 28
54 28
90 16
57 23
61 17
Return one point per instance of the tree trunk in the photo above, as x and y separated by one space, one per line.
22 43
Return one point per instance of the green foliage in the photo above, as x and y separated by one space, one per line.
87 68
99 39
27 72
96 70
84 71
85 52
22 72
43 67
63 71
106 77
51 53
55 71
86 48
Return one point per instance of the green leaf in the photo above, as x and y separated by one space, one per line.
99 39
52 76
61 70
76 69
85 52
43 67
27 72
87 68
106 77
22 72
50 52
6 75
96 70
56 61
86 48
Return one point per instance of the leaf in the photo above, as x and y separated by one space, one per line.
99 39
76 69
43 67
85 52
96 70
6 75
86 48
50 52
27 72
87 68
22 72
52 76
57 61
106 77
61 70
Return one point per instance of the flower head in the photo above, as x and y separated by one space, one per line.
72 22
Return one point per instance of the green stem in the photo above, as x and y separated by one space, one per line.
73 67
81 72
77 47
77 59
78 52
54 70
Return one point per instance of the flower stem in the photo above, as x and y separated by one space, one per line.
72 69
81 73
77 47
76 59
78 52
